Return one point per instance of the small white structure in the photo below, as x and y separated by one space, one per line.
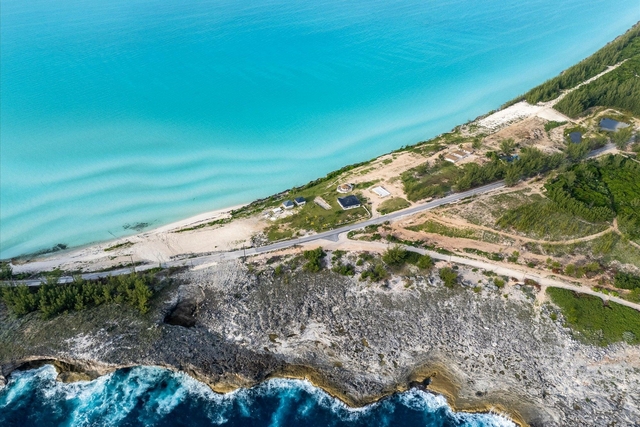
276 211
451 158
288 204
457 155
381 191
345 188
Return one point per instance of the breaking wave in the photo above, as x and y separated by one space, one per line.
151 396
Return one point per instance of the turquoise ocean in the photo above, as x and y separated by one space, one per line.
115 113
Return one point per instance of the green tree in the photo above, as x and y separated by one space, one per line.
448 276
425 262
314 260
6 272
622 137
507 146
395 256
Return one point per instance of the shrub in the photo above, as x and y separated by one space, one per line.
395 256
375 273
425 262
6 272
314 259
626 281
344 269
448 276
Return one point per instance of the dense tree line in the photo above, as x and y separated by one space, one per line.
625 46
434 181
619 89
596 191
52 298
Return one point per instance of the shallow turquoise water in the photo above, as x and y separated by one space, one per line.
147 396
146 111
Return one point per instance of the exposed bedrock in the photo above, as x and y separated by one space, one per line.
357 340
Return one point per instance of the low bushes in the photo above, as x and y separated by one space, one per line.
598 323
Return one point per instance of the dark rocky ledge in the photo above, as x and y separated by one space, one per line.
358 341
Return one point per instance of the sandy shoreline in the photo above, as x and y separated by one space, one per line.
195 220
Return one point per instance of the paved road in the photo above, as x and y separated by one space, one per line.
331 235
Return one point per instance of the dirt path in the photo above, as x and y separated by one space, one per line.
617 230
465 224
586 82
519 272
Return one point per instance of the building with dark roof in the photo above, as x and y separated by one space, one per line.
299 201
288 204
349 202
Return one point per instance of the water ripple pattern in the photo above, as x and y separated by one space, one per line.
147 111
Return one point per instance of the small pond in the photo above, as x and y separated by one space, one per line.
612 125
575 137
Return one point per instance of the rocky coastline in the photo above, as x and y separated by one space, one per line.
232 326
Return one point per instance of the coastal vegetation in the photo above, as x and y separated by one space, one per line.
396 257
624 47
52 298
434 227
582 201
314 259
619 89
544 219
624 280
597 322
449 276
122 245
441 177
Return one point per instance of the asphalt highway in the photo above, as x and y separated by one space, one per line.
331 235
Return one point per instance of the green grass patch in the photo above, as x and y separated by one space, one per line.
392 205
546 220
276 233
552 125
444 230
605 249
595 322
122 245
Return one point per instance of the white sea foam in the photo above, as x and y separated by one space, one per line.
419 400
107 400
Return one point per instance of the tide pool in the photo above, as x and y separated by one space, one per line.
157 397
115 113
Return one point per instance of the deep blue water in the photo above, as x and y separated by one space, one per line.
147 396
116 112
